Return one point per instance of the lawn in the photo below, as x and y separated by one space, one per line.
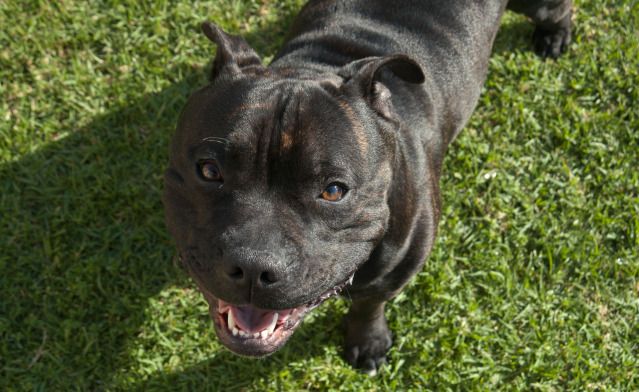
533 283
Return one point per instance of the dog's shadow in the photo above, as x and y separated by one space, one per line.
514 35
87 249
91 248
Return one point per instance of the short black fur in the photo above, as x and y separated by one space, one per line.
363 94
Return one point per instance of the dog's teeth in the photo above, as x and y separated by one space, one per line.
256 335
350 280
264 334
271 327
243 334
235 331
231 321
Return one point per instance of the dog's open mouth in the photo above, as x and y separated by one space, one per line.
248 330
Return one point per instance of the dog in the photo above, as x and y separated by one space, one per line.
288 183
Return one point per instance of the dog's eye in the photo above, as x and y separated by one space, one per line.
209 171
334 192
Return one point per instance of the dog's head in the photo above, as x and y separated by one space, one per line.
277 187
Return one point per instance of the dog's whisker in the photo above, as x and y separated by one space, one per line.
215 139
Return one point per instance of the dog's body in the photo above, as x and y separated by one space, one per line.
289 181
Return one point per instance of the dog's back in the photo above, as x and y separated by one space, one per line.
452 39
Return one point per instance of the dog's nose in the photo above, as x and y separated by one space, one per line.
255 273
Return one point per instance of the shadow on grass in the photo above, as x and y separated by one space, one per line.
86 249
514 35
87 246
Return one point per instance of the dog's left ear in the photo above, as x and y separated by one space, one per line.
365 76
233 55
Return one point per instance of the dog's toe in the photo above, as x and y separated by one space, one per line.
550 44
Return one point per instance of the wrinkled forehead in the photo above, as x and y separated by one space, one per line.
294 116
278 121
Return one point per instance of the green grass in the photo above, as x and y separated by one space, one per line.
533 283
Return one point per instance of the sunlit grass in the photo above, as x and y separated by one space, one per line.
533 283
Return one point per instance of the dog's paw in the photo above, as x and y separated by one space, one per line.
550 43
366 344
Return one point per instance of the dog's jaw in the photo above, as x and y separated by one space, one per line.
251 331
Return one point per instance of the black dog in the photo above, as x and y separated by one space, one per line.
288 182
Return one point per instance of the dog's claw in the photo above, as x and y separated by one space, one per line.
370 367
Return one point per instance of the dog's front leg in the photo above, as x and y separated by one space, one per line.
367 337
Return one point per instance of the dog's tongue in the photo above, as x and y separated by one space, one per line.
251 319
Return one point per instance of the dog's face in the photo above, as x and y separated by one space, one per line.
277 188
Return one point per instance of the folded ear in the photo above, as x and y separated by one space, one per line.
365 76
233 55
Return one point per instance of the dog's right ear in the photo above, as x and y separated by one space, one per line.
233 55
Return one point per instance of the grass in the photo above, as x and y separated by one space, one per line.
533 283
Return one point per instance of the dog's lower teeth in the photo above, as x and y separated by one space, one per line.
264 334
235 331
